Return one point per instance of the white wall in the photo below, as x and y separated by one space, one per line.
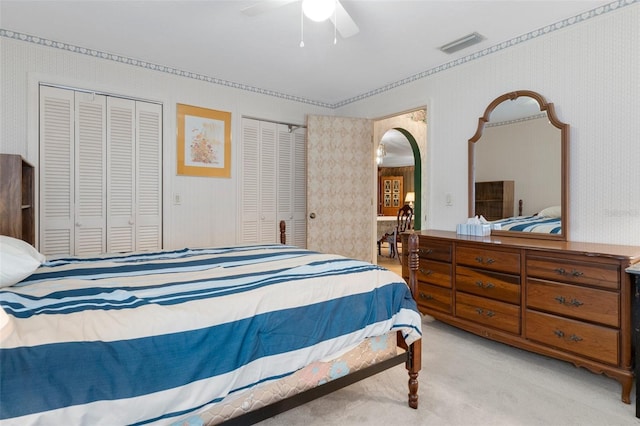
589 70
528 153
208 213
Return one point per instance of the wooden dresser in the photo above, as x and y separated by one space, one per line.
17 210
567 300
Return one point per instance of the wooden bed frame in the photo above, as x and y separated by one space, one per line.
411 357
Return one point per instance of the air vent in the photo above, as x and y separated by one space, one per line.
462 43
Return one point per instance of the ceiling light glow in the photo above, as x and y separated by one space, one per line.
318 10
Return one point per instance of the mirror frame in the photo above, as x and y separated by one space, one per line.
564 152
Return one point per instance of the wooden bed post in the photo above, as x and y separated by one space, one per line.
414 360
283 232
414 261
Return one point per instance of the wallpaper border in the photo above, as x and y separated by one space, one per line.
610 7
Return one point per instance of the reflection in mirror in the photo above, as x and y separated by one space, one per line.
518 168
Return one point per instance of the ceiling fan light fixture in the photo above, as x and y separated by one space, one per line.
318 10
381 152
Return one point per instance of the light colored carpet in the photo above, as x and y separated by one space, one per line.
468 380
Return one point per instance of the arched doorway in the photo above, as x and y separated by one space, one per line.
417 177
399 183
410 129
399 157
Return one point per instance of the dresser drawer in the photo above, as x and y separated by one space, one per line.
489 312
592 341
434 297
489 284
434 250
595 274
578 302
436 273
495 260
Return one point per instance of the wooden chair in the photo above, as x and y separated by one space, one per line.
385 239
403 224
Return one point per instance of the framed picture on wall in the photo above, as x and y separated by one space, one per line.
204 142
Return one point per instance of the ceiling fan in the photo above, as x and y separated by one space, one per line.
340 18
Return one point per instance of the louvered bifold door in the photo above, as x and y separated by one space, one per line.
299 234
268 230
90 174
258 183
285 180
148 218
56 171
249 183
121 166
292 180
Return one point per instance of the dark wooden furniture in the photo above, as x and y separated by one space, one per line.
384 239
405 215
391 194
494 200
403 224
17 211
567 300
634 271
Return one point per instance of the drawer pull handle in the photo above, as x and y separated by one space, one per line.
488 314
572 338
426 296
572 302
481 260
483 285
426 251
562 271
425 271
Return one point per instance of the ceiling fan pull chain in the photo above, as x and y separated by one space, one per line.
301 27
335 25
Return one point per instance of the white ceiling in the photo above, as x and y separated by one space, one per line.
398 149
397 39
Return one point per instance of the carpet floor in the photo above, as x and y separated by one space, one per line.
468 380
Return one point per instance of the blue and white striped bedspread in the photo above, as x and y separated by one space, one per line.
147 338
546 225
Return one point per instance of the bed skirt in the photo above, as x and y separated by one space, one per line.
369 352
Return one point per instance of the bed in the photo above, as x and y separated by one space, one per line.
534 223
547 221
198 336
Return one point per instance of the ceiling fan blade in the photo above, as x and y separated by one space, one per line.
264 6
343 22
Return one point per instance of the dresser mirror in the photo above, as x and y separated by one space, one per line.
519 168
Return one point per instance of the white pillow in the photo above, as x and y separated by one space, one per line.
553 211
18 260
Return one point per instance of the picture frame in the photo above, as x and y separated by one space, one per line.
203 142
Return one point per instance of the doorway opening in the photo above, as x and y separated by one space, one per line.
399 168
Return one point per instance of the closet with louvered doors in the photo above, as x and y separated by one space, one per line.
100 173
273 178
258 219
292 183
